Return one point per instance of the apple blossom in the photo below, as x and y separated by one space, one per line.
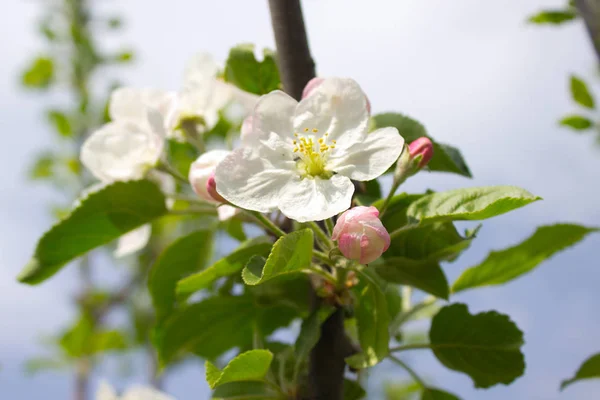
107 392
132 143
202 179
305 155
315 82
360 234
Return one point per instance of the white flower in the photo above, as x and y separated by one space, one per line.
305 154
201 173
132 143
107 392
203 96
133 241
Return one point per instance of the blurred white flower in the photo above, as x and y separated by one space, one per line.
133 241
107 392
132 143
203 96
201 177
304 155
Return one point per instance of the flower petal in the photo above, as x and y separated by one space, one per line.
338 106
200 67
316 199
250 181
121 150
225 212
368 159
145 393
106 392
272 117
131 104
133 241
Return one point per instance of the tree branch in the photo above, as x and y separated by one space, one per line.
296 66
590 12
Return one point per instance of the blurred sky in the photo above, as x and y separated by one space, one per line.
472 71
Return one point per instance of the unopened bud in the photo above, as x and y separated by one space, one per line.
360 234
211 188
316 82
423 148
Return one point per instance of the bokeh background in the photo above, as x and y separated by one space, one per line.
472 71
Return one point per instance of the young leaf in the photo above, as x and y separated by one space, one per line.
469 204
421 274
100 218
229 265
249 366
251 390
580 92
505 265
553 17
436 394
372 319
40 74
445 158
437 241
485 346
291 253
353 390
309 335
589 369
576 122
61 123
246 72
208 328
186 255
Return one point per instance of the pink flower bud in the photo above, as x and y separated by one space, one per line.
211 188
361 235
423 147
315 83
201 172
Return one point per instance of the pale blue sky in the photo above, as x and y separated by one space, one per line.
471 71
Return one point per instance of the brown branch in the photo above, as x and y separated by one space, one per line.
296 66
590 12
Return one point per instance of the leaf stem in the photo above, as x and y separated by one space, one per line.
321 272
414 346
408 369
322 257
329 226
194 210
321 235
167 168
266 223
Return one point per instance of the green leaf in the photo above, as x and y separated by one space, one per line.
485 346
103 341
43 167
246 72
469 204
186 255
421 274
372 319
437 241
100 218
401 391
576 122
553 17
245 391
505 265
445 158
589 369
124 56
60 121
229 265
436 394
290 254
309 335
215 325
580 92
36 365
252 365
40 74
353 390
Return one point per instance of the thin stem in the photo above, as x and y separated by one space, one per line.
414 346
329 226
266 223
403 229
321 272
322 257
408 369
194 210
165 167
406 298
188 199
321 235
